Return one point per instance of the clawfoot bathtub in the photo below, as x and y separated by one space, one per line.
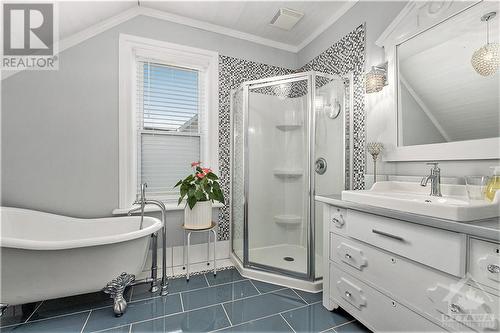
45 256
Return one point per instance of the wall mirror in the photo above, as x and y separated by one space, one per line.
441 96
444 108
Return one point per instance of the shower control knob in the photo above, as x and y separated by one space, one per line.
348 294
348 256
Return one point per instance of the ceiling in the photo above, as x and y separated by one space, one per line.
250 17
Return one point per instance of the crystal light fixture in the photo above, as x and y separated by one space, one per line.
376 78
374 148
487 59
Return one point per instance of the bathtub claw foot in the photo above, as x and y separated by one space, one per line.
116 289
3 307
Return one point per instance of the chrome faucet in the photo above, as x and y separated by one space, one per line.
435 178
143 202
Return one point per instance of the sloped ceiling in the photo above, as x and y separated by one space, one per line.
250 17
437 66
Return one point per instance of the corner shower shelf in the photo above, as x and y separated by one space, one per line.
288 127
288 219
288 173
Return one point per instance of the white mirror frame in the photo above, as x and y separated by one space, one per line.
415 18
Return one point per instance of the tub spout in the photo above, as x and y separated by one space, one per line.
115 289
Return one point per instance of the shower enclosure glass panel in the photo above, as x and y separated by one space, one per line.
237 173
329 151
277 176
288 145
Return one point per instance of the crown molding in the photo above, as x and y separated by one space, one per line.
159 14
128 14
322 28
87 33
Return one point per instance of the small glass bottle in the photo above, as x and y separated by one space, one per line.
494 184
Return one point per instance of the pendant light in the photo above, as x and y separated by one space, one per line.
487 59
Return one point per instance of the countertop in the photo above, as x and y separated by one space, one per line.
488 228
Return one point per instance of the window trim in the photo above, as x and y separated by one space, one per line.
176 55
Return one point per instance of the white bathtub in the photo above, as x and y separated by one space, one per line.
45 256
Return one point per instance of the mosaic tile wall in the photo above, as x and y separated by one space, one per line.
232 73
347 55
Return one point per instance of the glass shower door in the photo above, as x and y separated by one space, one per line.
329 148
238 175
277 176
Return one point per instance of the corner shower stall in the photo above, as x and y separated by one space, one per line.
289 143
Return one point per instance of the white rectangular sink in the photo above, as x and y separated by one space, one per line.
413 198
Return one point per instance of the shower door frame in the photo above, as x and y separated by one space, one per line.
310 76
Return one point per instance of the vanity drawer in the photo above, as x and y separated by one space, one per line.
441 249
374 309
484 262
406 280
337 220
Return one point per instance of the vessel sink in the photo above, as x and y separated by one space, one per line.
413 198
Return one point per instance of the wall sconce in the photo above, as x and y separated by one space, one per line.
376 78
487 59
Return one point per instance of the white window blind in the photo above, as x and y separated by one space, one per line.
169 120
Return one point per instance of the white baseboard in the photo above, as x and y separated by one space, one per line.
197 259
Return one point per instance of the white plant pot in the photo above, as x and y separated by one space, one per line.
200 217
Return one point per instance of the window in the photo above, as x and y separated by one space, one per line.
168 106
168 115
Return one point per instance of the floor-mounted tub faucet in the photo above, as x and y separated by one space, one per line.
143 202
435 178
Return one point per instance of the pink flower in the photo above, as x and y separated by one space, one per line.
194 164
206 170
200 175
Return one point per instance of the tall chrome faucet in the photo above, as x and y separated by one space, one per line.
435 178
142 201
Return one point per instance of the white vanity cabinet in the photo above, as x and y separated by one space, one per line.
394 275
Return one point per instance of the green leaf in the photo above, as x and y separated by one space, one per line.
212 176
199 195
178 183
191 202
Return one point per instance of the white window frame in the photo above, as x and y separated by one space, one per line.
176 55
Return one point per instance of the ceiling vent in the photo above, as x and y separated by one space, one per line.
286 18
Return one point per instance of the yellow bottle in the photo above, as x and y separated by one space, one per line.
494 184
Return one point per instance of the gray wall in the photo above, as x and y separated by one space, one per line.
60 128
378 15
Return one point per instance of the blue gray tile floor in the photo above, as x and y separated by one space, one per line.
226 303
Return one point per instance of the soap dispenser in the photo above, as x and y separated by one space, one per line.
494 184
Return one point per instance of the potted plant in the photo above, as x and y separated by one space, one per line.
201 189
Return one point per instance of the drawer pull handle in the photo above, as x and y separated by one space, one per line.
493 268
348 294
454 308
348 256
339 222
382 233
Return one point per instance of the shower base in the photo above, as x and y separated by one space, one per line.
274 256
